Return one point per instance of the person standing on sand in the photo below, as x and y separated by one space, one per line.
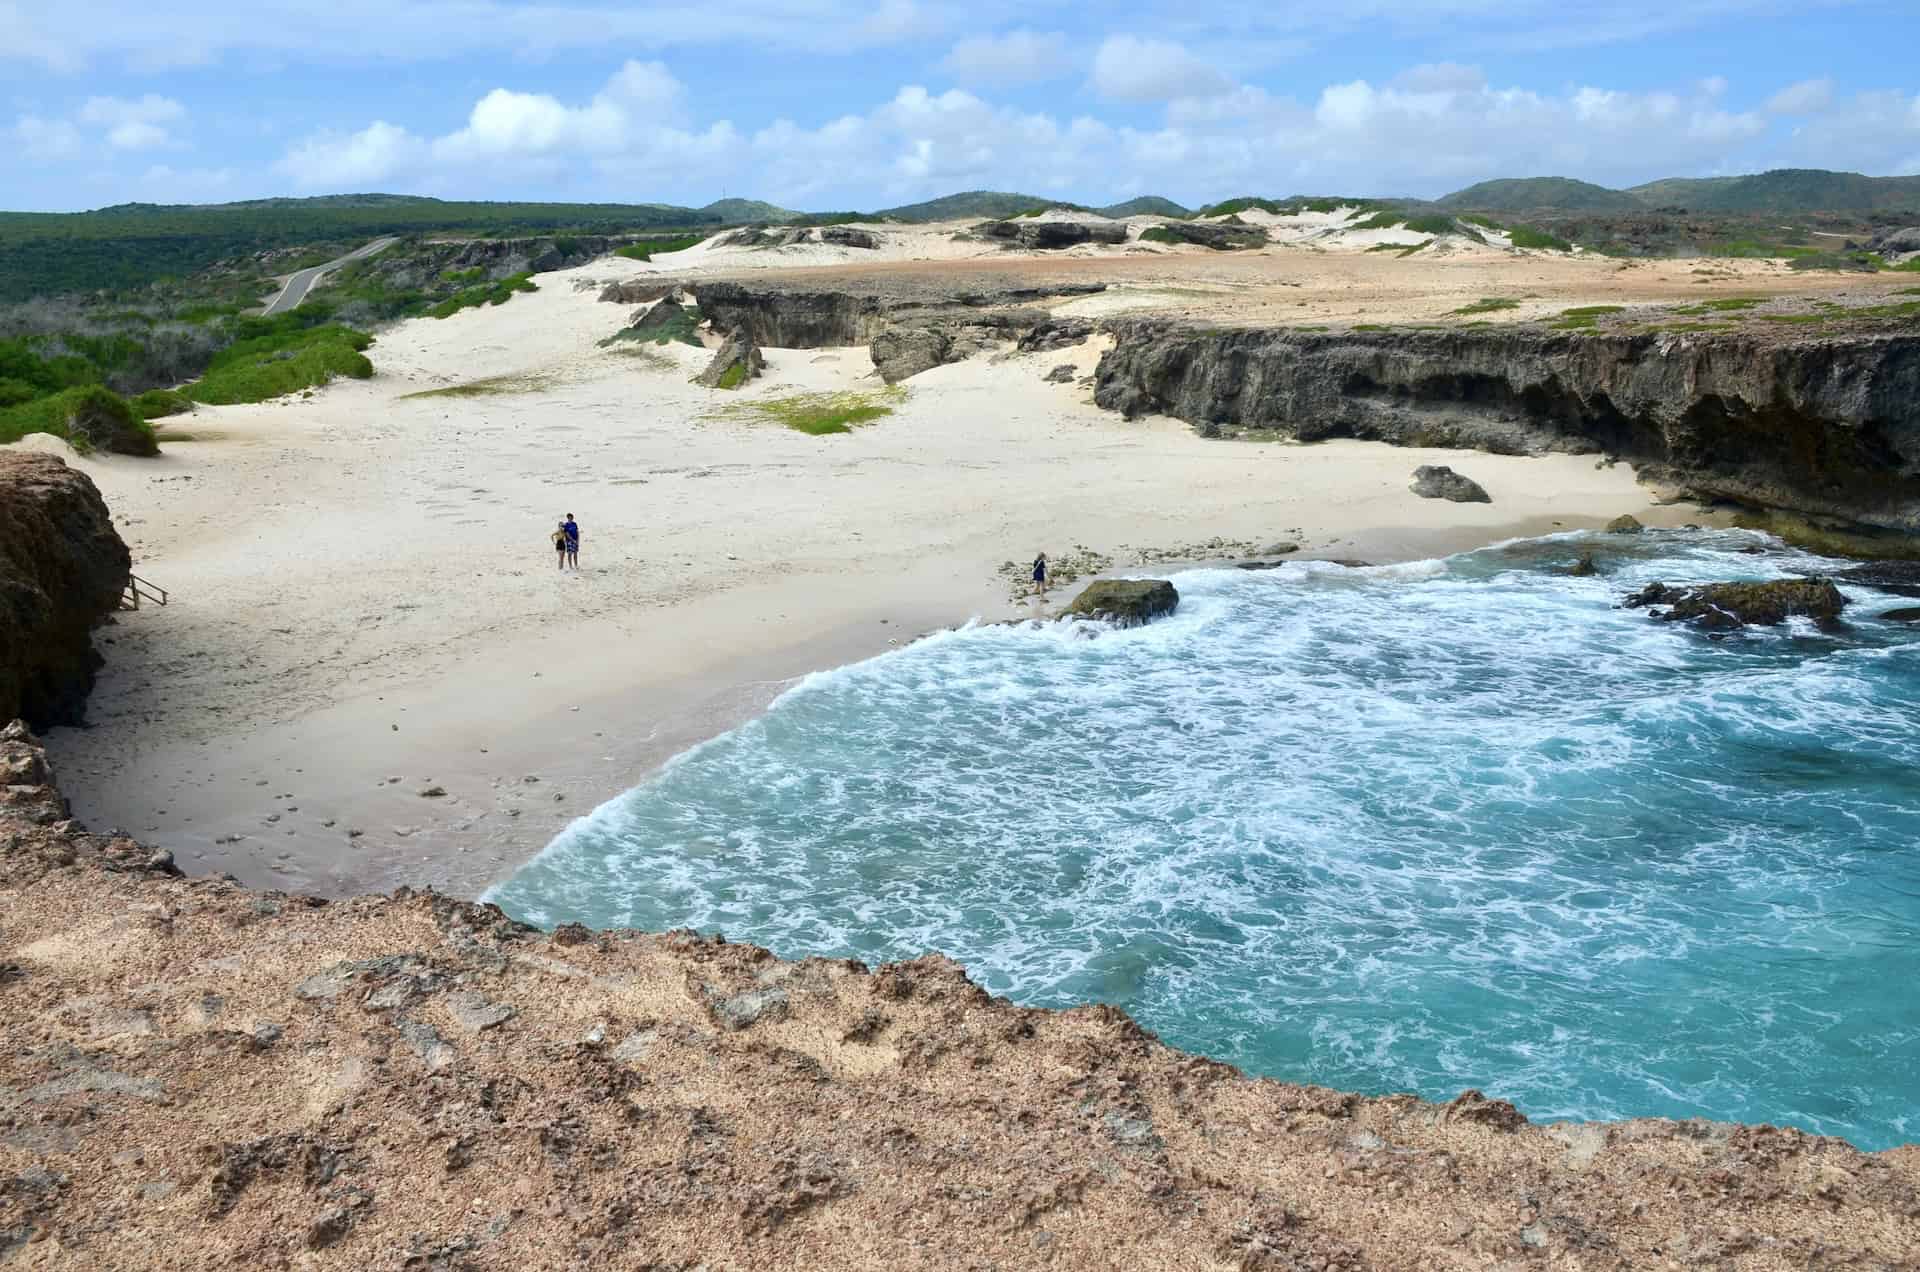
1040 576
560 543
572 529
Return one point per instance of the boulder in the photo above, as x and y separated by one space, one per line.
637 291
1625 524
841 236
1062 374
1050 236
1221 236
1431 481
1902 578
737 361
1728 605
1055 333
661 314
1906 614
1584 567
62 570
1897 242
899 352
1125 602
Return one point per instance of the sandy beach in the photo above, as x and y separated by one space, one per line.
365 605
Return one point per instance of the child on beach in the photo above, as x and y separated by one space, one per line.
1040 576
560 543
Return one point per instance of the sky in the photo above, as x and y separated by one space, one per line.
861 104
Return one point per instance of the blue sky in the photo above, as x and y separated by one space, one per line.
831 104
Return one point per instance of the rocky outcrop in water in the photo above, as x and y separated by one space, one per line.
200 1076
62 570
1437 481
1822 425
1724 606
1125 602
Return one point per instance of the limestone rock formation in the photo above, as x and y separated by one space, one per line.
1771 417
1221 236
1899 577
62 570
899 352
1125 602
1062 374
1056 333
736 361
1625 523
200 1076
1437 481
844 236
1049 236
638 291
1723 606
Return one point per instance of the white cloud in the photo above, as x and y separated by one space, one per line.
139 124
1808 97
1130 69
1018 57
377 153
46 138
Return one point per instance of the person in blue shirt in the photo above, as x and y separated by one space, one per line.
572 528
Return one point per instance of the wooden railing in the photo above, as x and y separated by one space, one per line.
139 589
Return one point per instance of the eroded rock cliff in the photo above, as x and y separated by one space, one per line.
199 1076
1825 426
62 569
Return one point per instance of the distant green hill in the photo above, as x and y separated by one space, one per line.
1786 191
742 211
1525 194
994 204
46 253
1145 205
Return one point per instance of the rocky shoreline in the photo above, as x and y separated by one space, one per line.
204 1076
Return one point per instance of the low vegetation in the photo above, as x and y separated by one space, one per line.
1488 305
1721 305
1584 317
647 249
494 292
820 414
282 362
157 404
88 418
491 386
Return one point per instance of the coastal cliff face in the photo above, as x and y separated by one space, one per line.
62 569
206 1077
1824 426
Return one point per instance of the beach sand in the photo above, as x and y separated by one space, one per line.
364 602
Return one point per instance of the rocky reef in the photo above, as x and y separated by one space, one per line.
1828 426
1724 606
202 1076
1125 602
62 570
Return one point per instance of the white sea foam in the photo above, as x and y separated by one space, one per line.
1423 826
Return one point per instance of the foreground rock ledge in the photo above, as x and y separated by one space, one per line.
198 1076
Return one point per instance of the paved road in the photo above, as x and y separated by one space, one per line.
298 285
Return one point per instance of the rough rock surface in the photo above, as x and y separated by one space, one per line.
1221 236
1728 605
662 312
1062 374
62 570
1046 236
792 235
737 360
1125 602
1820 425
1625 523
909 328
199 1076
1437 481
638 291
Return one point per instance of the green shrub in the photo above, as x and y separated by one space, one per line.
1488 305
1537 240
494 293
1720 305
650 248
275 365
157 404
1859 262
1382 221
89 418
1584 317
1160 234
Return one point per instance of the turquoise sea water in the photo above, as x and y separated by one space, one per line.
1422 827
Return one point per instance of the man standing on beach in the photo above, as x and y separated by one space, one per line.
572 528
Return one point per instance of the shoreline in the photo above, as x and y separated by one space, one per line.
326 773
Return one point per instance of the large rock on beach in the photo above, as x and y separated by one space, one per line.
1724 606
1125 602
736 361
638 291
62 570
843 236
1436 481
900 352
664 312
